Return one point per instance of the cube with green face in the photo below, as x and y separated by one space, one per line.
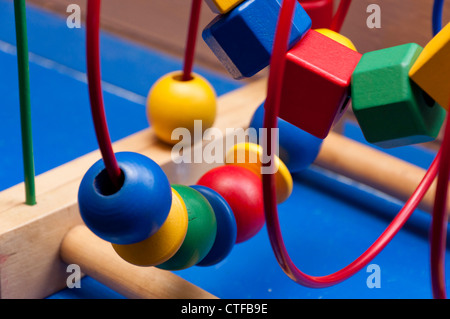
392 110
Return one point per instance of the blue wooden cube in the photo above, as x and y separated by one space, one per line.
243 38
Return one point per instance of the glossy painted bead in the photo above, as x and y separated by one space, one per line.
242 189
226 227
222 6
432 68
338 38
173 103
391 109
297 148
320 12
243 39
251 157
134 212
162 245
316 83
201 232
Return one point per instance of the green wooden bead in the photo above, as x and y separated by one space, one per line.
201 232
392 110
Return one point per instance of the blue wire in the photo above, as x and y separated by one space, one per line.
438 9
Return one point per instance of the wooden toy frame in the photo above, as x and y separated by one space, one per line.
38 242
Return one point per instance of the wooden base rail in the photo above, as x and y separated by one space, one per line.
37 242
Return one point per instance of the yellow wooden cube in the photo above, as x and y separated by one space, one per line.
223 6
431 71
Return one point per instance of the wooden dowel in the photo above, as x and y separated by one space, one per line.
374 168
98 260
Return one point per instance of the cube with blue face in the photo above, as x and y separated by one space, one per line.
243 38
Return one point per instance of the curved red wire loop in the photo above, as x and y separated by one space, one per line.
438 233
270 204
95 91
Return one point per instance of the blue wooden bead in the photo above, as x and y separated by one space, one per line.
243 39
226 227
297 148
134 212
201 231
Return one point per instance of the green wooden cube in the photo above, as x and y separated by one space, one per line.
392 110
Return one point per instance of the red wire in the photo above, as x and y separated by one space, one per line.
270 203
339 17
95 91
438 236
191 39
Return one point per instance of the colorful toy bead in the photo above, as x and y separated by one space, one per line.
250 156
242 189
161 246
391 109
226 227
134 212
173 103
432 68
338 38
243 39
222 6
201 233
297 148
316 83
320 12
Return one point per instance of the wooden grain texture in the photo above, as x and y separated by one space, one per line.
371 167
163 23
30 236
98 259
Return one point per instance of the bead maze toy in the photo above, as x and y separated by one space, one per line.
131 218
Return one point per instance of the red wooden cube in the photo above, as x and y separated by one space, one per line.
316 84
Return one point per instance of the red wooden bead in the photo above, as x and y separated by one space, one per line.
316 84
320 12
242 189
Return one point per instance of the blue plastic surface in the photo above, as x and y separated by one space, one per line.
327 222
243 39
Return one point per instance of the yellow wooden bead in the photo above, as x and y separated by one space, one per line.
164 244
338 38
173 103
431 71
249 155
222 6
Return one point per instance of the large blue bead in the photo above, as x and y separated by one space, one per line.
243 39
226 227
133 213
297 148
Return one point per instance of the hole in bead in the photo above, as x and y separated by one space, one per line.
429 101
179 77
105 186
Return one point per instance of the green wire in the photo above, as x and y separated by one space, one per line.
25 104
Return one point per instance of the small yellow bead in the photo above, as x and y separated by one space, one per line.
249 155
222 6
431 71
338 38
173 103
164 243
